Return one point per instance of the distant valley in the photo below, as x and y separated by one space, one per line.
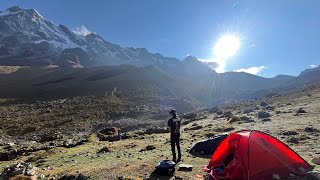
53 62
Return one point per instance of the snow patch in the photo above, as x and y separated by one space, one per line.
82 30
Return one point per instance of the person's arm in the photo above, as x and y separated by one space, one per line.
178 125
169 126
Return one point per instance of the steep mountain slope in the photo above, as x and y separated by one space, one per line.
27 38
126 81
310 70
205 87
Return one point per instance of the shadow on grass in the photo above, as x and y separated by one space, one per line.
154 176
205 156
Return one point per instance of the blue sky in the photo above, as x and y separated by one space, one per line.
277 37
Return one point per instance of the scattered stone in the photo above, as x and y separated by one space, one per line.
263 104
246 119
313 175
301 111
150 147
266 119
311 129
270 108
20 169
247 111
103 150
30 170
68 143
316 160
227 115
263 114
41 176
74 177
234 119
219 113
289 133
293 140
303 137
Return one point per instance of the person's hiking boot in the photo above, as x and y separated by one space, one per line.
179 158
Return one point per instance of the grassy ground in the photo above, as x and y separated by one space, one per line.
125 158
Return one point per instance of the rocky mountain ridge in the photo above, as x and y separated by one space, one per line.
27 38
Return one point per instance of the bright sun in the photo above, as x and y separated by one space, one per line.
226 47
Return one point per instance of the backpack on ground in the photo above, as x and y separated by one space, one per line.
165 168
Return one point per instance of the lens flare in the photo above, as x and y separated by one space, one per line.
226 47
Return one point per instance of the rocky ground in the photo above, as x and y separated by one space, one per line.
294 119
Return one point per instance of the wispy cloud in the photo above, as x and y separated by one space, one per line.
252 70
313 66
82 30
218 66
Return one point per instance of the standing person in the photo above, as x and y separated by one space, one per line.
174 124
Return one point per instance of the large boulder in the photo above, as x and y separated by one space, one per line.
263 104
263 114
109 134
20 169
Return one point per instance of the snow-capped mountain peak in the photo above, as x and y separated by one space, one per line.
25 33
190 58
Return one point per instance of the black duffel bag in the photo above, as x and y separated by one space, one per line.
165 168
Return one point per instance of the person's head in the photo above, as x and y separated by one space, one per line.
173 112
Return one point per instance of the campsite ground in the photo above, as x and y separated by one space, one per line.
128 158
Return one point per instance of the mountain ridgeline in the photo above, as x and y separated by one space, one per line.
55 62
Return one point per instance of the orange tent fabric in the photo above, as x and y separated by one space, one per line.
257 156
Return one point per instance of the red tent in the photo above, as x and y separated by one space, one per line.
254 156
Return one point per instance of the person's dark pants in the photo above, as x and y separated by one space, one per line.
175 141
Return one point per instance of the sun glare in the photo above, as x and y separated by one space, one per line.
226 47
